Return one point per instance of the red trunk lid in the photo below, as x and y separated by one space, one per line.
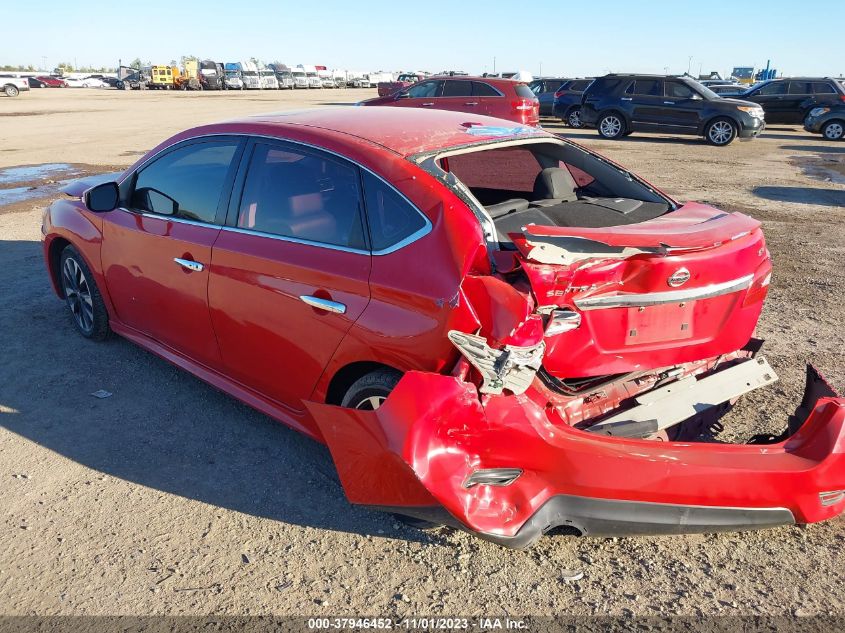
682 287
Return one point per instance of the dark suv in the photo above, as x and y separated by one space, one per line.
545 88
617 105
790 100
568 101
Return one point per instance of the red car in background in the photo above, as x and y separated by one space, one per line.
52 82
489 326
500 98
404 80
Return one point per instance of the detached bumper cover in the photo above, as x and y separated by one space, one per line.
416 453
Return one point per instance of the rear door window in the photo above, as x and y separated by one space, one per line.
457 88
390 217
186 183
302 194
800 88
679 90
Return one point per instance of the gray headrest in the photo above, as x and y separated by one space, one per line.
554 183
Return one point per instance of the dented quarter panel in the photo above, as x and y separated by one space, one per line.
415 292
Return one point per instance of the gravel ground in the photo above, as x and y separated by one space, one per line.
171 498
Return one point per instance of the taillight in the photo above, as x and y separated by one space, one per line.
524 104
842 97
559 93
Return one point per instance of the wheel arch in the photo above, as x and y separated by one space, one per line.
344 377
54 256
614 110
719 115
839 120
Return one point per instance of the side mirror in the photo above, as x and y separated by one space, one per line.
102 198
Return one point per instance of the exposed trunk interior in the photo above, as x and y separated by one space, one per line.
553 185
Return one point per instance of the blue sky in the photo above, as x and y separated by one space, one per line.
565 37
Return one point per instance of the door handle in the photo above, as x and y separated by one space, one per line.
189 264
430 103
471 103
668 103
324 304
626 98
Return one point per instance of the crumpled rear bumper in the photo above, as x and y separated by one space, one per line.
415 454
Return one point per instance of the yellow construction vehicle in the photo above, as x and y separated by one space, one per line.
189 79
164 77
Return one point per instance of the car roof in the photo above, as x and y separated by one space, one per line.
404 131
801 79
490 80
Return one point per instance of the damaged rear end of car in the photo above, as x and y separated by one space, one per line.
611 333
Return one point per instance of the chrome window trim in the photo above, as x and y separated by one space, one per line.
636 299
294 240
420 233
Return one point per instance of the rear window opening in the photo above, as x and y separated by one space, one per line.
551 184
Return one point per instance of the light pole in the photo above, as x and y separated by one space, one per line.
689 64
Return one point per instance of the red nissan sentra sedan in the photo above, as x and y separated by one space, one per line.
490 96
488 325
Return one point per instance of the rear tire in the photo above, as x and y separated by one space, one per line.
11 91
573 119
833 130
370 391
720 132
611 126
82 296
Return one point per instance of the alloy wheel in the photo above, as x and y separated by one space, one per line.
834 131
575 118
78 295
371 403
610 126
720 132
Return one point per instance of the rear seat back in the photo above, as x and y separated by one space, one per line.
554 185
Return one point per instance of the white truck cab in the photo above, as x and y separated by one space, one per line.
249 71
268 79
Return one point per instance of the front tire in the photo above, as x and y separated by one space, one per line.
370 391
833 130
611 126
82 296
720 132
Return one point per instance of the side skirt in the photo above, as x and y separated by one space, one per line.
275 410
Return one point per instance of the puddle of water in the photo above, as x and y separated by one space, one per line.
13 195
12 175
824 168
16 194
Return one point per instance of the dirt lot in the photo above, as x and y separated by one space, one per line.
171 498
